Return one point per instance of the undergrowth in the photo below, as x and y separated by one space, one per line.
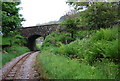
93 57
13 52
16 49
61 67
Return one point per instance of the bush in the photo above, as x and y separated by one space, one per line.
84 34
6 40
14 39
18 39
67 50
93 49
106 34
77 49
54 38
103 49
105 45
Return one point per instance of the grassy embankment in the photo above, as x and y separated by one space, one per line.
15 50
93 57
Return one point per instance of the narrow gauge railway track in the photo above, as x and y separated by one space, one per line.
14 70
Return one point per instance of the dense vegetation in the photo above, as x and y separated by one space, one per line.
16 47
83 54
73 54
13 42
97 14
11 19
96 56
13 52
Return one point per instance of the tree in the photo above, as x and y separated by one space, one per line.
79 5
11 19
71 25
98 14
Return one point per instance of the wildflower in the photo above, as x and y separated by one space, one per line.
74 55
60 54
70 55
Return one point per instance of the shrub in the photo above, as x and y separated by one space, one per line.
111 50
6 40
67 50
15 39
82 47
106 34
84 34
77 49
18 39
105 45
54 38
103 49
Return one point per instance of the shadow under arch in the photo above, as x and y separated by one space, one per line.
31 44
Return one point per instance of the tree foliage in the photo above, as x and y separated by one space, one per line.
71 25
78 5
97 14
11 19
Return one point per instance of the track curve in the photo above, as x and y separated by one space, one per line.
13 70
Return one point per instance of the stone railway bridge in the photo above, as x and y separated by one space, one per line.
33 32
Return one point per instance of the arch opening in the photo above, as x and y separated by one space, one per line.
39 42
32 42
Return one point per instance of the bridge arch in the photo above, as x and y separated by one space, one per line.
33 32
31 42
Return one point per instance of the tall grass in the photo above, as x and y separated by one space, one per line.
60 67
13 52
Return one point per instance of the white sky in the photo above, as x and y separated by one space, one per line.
42 11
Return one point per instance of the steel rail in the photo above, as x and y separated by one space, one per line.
17 64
